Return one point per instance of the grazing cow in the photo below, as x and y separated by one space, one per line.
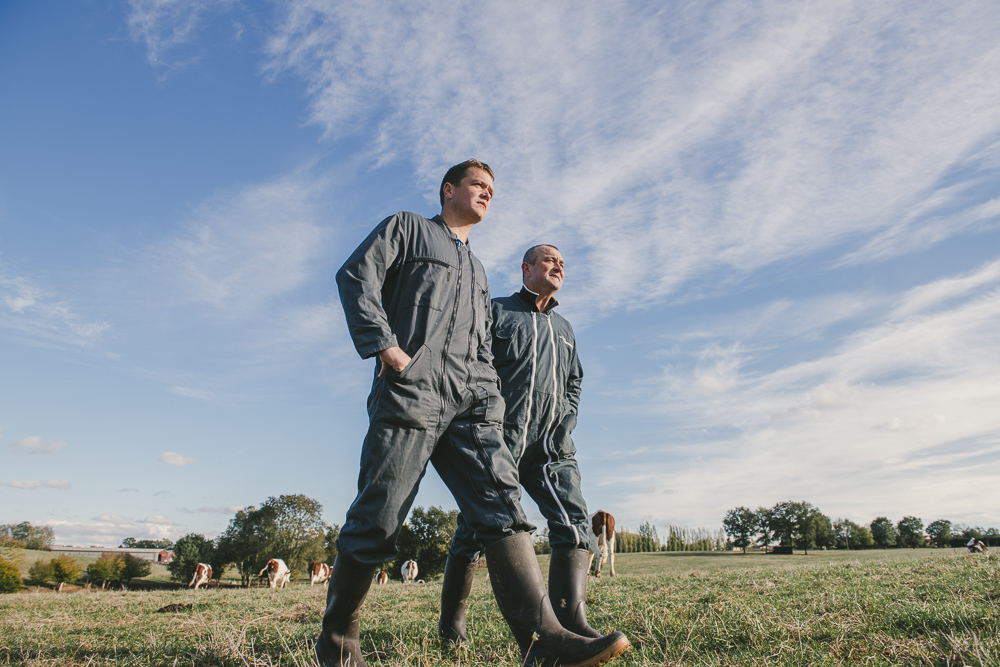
602 541
202 575
976 546
409 571
319 573
278 573
381 577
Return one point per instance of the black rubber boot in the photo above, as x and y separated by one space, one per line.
455 589
339 643
520 592
568 589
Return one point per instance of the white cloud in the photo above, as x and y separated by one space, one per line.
175 459
35 484
24 484
110 529
33 445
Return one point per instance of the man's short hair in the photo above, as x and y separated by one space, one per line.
458 172
531 254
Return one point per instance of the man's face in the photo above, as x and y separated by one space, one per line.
470 199
546 275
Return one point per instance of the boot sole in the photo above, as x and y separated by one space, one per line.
605 656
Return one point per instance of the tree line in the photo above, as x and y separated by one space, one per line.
801 525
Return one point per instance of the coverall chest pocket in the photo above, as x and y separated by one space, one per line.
405 397
508 343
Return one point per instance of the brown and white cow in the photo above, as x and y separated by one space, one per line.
319 573
278 573
976 546
409 571
381 578
202 575
602 541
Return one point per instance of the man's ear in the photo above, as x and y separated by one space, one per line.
447 189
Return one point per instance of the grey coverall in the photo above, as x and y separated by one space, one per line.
540 377
414 284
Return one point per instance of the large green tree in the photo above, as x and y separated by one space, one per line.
425 539
133 567
883 532
133 543
910 531
190 550
741 524
287 527
940 532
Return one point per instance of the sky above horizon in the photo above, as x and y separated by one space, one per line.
781 226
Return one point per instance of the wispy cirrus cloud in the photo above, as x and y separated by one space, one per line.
37 316
768 135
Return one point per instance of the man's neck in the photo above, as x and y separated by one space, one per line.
460 228
542 301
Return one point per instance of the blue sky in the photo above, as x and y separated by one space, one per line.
781 223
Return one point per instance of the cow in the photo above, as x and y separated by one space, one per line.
381 577
976 546
409 571
319 573
278 573
602 541
202 575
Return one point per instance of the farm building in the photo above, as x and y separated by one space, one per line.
152 555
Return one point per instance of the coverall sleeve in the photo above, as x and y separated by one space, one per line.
574 381
360 281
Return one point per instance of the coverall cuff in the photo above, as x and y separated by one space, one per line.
371 349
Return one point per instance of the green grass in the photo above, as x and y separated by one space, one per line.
897 607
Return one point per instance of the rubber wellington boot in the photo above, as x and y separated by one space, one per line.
339 643
455 589
520 593
568 589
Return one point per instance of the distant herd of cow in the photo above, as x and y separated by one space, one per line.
602 547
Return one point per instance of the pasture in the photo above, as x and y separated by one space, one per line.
896 607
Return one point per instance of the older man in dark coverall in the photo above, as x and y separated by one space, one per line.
534 351
417 298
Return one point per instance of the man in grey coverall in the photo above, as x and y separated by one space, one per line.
534 352
417 298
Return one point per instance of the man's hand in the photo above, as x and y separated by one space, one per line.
395 357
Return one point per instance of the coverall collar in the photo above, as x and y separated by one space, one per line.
438 219
529 298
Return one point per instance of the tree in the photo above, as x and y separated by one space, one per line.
648 539
940 532
40 571
190 550
741 524
764 526
105 569
134 567
791 524
65 569
10 577
850 535
330 544
822 529
425 538
39 538
883 532
910 530
286 527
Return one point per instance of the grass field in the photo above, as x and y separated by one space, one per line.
896 607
